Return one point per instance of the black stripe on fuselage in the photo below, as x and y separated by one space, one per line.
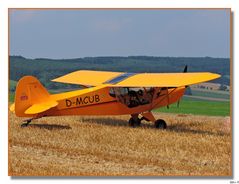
119 78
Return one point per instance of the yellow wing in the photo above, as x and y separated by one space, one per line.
165 79
87 77
119 79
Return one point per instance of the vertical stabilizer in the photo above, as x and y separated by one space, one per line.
29 91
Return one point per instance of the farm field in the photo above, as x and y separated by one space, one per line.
72 146
197 141
211 93
189 105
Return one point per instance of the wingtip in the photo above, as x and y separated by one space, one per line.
217 75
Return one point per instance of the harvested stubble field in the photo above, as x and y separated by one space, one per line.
73 146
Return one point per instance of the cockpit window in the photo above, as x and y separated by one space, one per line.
132 97
112 92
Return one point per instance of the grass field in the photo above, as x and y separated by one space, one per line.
201 107
70 146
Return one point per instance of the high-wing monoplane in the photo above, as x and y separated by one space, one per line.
106 93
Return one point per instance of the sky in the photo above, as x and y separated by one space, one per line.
59 34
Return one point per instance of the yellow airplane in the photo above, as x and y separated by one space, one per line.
106 93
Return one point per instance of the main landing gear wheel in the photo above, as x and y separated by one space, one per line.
133 122
160 124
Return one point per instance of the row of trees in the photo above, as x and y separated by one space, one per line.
48 69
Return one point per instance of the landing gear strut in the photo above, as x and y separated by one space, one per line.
147 116
134 121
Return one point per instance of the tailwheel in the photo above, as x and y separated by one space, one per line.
27 123
133 122
160 124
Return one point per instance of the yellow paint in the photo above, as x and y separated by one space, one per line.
41 107
166 79
87 77
12 107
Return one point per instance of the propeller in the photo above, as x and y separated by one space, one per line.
185 69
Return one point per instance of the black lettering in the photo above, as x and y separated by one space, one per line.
91 99
97 98
77 101
80 101
85 100
68 103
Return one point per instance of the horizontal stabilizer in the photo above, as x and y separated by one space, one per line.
12 107
41 107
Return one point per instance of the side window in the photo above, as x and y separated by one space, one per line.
132 97
118 91
123 91
112 92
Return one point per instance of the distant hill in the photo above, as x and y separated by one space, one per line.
46 69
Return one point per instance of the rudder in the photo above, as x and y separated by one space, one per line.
29 91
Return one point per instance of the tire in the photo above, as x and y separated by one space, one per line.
160 124
133 123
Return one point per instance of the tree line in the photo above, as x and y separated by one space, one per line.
46 69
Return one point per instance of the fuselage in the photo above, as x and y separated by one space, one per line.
105 100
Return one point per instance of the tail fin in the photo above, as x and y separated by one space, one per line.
30 94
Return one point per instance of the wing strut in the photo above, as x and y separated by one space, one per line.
167 96
167 99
